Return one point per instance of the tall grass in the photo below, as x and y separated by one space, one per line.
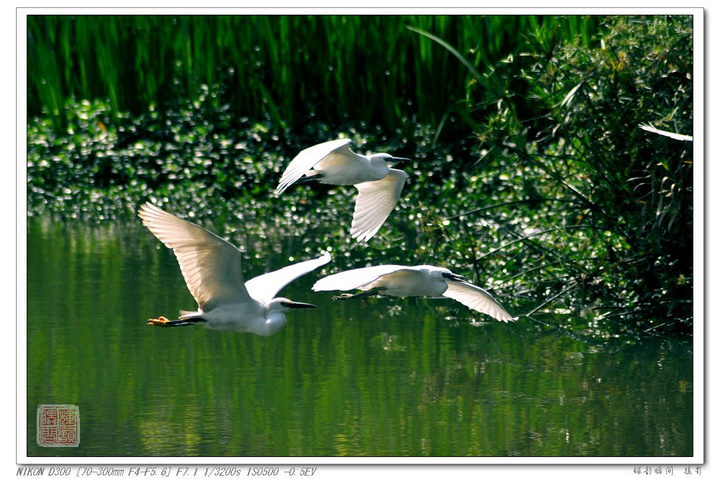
366 68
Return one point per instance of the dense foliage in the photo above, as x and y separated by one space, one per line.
531 172
607 207
340 68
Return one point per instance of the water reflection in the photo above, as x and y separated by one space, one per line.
383 377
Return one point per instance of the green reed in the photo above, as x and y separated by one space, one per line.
368 68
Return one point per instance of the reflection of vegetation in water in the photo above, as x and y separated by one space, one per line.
539 185
344 379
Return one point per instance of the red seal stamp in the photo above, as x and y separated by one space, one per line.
58 425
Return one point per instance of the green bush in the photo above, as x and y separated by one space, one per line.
594 213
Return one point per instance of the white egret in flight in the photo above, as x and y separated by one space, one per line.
333 163
212 270
403 281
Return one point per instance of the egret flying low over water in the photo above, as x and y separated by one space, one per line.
403 281
212 270
333 163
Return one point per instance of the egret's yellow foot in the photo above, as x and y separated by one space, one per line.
161 321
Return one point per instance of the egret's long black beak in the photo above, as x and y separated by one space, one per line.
455 277
296 305
398 161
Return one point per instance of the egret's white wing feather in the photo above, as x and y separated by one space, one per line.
476 298
669 134
375 202
265 287
355 278
308 158
340 157
210 265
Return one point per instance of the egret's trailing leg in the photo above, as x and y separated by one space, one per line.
364 294
310 179
163 322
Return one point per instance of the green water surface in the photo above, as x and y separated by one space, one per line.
380 377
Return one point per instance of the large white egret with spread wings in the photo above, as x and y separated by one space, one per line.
403 281
212 270
333 163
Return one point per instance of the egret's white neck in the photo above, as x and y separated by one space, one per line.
274 322
274 318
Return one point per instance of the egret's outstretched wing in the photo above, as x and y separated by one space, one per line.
210 265
265 287
309 157
375 202
341 157
355 278
476 298
669 134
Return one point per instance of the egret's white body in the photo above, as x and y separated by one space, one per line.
403 281
212 270
333 163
